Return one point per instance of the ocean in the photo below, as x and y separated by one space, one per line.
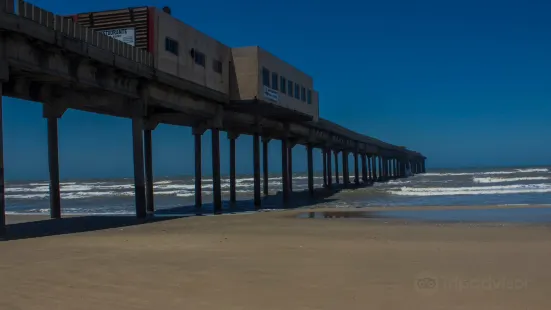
502 186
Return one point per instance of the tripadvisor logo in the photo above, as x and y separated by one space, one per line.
427 283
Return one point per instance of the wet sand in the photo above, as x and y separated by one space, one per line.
274 260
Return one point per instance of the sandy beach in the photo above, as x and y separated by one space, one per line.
274 260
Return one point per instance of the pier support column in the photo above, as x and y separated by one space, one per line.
256 173
290 165
265 179
364 167
324 167
329 172
345 170
2 186
139 181
356 168
216 188
395 162
148 148
53 113
232 137
310 155
53 163
387 169
197 134
336 166
381 172
284 171
370 173
374 167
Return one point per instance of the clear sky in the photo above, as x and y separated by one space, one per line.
467 83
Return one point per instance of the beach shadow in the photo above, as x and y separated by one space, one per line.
24 227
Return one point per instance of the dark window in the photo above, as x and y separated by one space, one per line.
309 97
275 79
297 91
290 88
171 46
265 77
282 84
217 66
303 94
199 58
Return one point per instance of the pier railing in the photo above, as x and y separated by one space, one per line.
73 30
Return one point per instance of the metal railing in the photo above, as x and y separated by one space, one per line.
73 30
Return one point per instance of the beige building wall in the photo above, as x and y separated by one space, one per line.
183 65
249 63
245 74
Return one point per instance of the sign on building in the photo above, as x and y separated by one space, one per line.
271 94
126 35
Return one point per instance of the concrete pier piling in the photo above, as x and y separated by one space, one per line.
356 167
216 186
310 159
324 167
336 166
290 165
139 181
329 168
148 157
285 170
364 167
232 137
197 135
345 168
53 163
265 177
256 170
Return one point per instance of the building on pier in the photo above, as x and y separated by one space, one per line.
271 86
252 78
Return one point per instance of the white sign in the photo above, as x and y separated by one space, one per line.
126 35
271 94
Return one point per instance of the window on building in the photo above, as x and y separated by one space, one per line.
283 84
297 91
265 77
303 94
171 46
290 88
309 96
199 58
275 80
217 66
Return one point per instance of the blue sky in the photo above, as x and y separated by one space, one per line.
467 83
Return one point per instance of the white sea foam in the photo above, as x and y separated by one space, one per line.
162 182
435 174
503 180
397 182
475 190
533 170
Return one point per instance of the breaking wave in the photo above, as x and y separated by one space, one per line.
532 170
504 180
475 190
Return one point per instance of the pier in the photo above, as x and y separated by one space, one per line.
64 65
